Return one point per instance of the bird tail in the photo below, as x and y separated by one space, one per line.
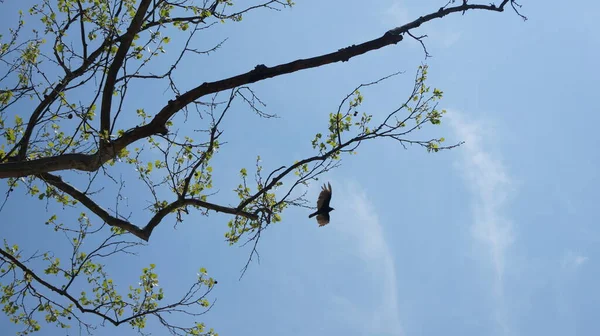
312 215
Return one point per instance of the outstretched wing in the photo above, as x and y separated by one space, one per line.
323 219
324 198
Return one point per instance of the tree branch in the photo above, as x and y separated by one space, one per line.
61 185
142 233
111 77
92 162
61 292
153 223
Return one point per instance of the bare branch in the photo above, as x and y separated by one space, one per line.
145 232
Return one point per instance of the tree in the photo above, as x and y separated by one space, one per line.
69 133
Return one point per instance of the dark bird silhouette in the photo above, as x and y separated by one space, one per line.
323 208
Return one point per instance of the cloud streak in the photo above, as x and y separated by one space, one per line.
490 185
360 224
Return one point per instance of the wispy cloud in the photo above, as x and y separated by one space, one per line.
573 260
358 222
490 185
448 38
395 15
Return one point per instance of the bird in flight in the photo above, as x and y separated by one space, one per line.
323 208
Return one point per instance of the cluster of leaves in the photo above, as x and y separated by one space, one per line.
419 109
261 200
73 77
27 295
63 120
346 130
85 38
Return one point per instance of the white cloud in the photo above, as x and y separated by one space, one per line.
357 221
579 260
448 38
490 185
395 15
573 260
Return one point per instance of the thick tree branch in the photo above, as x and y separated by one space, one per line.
92 162
111 77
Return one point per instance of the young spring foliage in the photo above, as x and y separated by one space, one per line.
108 168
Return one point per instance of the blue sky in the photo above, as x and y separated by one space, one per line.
497 237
